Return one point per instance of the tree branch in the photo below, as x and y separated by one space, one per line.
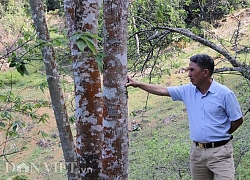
7 154
243 68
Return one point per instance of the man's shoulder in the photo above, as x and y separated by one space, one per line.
183 86
221 87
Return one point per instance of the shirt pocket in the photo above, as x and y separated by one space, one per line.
216 114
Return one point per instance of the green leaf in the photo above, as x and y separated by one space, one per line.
17 124
59 41
6 115
90 44
81 44
27 107
12 64
77 35
41 43
22 69
72 119
99 61
33 115
15 127
56 42
19 64
88 38
42 86
25 70
2 124
2 98
44 118
11 133
26 36
44 134
96 37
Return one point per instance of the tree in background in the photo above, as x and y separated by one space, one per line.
144 15
54 4
55 88
210 10
155 40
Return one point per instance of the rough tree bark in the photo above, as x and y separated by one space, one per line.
82 15
115 129
55 87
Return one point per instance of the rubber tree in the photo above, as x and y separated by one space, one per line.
55 88
82 20
115 128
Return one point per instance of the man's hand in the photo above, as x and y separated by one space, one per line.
150 88
131 82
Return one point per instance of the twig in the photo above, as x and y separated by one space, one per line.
7 154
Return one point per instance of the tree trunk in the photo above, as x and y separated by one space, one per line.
115 128
83 15
55 88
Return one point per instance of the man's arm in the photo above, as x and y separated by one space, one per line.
235 125
151 88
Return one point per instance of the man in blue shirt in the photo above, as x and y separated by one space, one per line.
213 113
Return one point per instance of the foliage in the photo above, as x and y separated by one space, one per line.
54 4
242 150
15 110
210 11
13 16
22 52
146 46
86 40
243 92
158 13
20 177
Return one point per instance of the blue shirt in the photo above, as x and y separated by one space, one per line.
209 114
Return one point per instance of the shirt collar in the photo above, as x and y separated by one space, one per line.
211 89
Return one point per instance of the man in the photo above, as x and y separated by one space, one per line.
213 113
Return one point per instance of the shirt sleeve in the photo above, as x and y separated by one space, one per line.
232 107
177 93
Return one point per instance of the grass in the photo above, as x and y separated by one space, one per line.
160 150
157 151
24 83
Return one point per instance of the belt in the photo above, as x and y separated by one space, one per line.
211 144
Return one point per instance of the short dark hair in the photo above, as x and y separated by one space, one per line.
204 61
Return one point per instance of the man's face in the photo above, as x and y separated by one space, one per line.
196 74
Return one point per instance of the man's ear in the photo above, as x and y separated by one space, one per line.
206 73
